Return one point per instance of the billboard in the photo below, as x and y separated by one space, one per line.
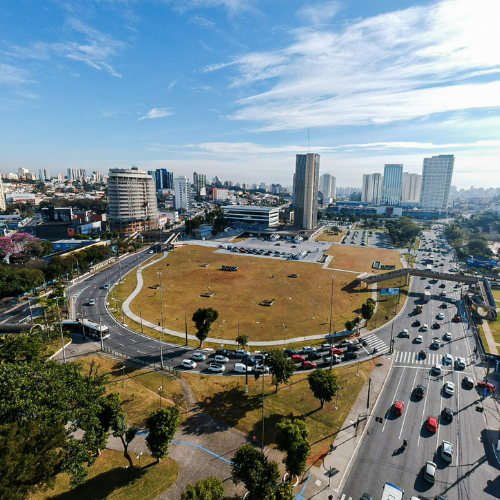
389 291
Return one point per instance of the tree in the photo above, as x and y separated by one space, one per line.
162 425
210 488
367 309
203 319
242 340
253 469
20 348
30 455
323 384
280 366
292 438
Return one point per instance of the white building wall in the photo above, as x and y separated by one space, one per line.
437 173
182 193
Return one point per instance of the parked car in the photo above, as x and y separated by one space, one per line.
216 368
188 363
198 356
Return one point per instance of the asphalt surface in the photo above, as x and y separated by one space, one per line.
381 457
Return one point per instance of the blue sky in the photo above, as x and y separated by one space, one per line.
234 87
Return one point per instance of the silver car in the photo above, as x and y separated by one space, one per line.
430 472
446 451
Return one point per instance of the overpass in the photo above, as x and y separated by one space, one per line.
488 300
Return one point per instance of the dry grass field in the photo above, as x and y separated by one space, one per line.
330 236
302 304
361 259
224 398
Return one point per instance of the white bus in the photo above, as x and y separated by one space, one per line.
392 492
91 328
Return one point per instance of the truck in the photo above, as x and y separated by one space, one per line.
392 492
427 296
418 309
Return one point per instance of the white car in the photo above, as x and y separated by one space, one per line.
447 359
430 472
424 328
261 369
447 336
447 451
91 302
216 368
436 369
307 349
453 300
221 359
188 363
443 294
419 339
460 363
198 356
449 388
436 344
440 316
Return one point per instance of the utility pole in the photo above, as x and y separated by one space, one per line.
263 401
100 333
60 327
284 335
368 398
186 324
140 314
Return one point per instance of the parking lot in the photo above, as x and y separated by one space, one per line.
281 249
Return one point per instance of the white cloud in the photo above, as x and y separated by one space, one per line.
156 113
319 13
201 21
232 6
11 75
402 65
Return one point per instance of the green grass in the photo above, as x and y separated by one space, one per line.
411 259
495 330
496 294
483 338
224 398
109 478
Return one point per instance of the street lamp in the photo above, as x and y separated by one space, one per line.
123 375
160 389
139 458
222 331
161 334
284 335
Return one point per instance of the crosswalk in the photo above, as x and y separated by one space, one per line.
412 358
373 341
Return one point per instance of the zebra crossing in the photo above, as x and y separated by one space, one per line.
410 358
374 342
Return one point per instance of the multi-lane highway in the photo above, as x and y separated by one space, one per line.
382 457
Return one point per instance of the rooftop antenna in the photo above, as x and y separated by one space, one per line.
307 140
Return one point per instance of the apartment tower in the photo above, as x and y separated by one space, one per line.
393 183
305 189
436 181
132 201
412 185
328 186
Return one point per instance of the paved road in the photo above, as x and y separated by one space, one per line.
381 458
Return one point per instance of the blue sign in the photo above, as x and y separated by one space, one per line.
389 291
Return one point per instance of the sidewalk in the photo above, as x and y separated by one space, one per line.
334 467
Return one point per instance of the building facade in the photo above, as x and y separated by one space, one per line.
412 185
132 201
328 186
199 182
305 189
164 179
393 183
3 205
251 216
43 175
437 173
372 188
182 190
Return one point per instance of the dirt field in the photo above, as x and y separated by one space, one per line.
330 237
361 259
302 304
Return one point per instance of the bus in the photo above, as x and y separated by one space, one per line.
392 492
91 328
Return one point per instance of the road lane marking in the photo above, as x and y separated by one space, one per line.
409 398
423 411
393 399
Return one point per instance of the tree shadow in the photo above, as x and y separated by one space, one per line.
231 405
354 287
103 485
270 423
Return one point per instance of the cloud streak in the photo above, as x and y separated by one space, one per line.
401 65
156 113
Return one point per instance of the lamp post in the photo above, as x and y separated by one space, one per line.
123 375
160 389
222 331
284 335
140 470
161 334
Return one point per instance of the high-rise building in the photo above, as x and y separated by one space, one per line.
411 187
305 189
164 179
182 193
328 186
22 172
132 201
199 181
393 181
436 181
371 191
96 176
262 185
3 206
43 174
76 174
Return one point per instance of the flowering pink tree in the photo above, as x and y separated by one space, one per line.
19 247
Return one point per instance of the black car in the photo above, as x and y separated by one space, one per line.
417 322
349 355
290 352
224 352
352 347
313 355
444 305
422 354
248 361
447 414
420 391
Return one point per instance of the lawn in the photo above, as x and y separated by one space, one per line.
483 338
496 294
361 259
109 478
224 398
389 305
329 236
495 330
140 394
302 304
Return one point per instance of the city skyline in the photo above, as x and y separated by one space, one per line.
220 87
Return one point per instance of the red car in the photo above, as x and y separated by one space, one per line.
457 319
486 385
335 350
398 408
297 358
432 424
308 365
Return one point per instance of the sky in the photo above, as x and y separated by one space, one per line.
237 88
